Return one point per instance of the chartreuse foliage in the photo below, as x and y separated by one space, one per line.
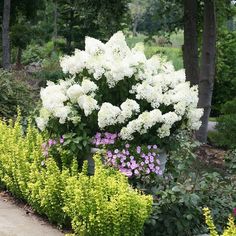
103 203
229 231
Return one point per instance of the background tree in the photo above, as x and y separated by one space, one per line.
137 9
207 69
5 34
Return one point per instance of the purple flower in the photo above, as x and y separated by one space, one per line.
142 163
138 149
143 155
98 135
127 152
234 212
136 172
116 151
155 146
50 142
133 166
147 171
151 159
126 172
151 166
61 140
109 153
127 145
149 147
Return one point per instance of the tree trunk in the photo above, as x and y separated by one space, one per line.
55 16
135 25
5 35
70 37
207 69
190 49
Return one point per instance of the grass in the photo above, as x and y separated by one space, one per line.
214 119
172 52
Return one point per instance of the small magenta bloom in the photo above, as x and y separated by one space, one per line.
61 140
127 145
126 172
234 211
50 142
138 149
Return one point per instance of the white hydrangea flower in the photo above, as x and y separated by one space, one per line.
74 92
62 113
108 115
88 86
128 108
164 130
41 123
94 47
155 82
88 104
194 116
53 96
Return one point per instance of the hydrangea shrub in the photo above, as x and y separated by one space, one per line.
117 89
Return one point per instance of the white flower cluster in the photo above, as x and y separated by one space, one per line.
111 115
155 82
57 100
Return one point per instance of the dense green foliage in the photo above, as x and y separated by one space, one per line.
225 136
103 203
188 186
225 83
14 92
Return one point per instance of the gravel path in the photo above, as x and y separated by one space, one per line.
15 222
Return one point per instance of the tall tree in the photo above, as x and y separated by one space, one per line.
190 47
207 67
5 35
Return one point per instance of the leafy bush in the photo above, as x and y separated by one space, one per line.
114 88
14 92
105 202
226 127
38 53
187 186
225 83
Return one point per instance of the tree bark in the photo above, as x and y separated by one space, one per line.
190 48
5 35
55 16
135 25
207 68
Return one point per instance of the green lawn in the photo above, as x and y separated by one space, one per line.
172 52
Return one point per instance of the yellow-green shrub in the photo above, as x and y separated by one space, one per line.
229 231
105 204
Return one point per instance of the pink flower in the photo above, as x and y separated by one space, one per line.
234 212
126 172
